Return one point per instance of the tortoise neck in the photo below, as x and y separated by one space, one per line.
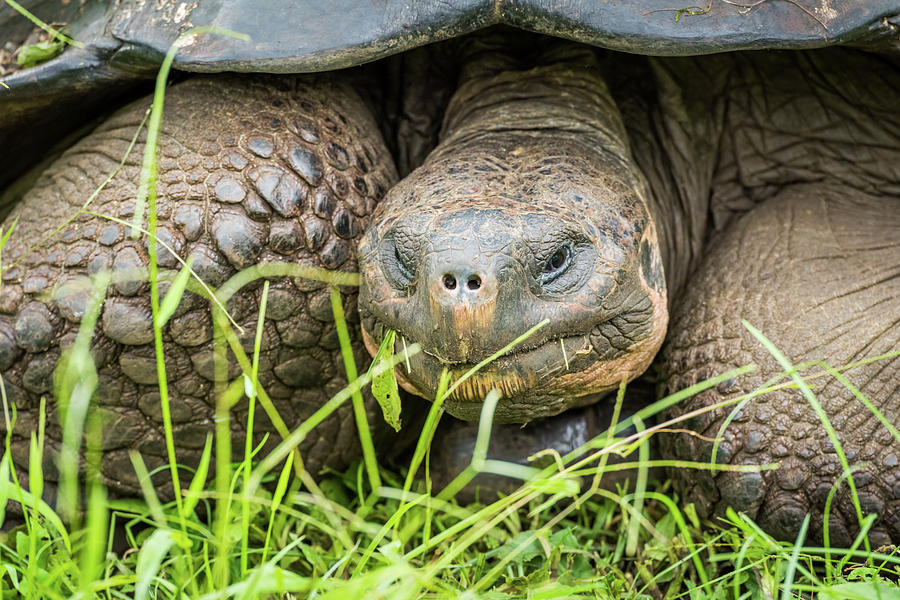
555 89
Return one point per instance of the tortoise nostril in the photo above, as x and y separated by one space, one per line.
474 282
449 281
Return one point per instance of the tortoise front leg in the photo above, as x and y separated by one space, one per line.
817 270
252 170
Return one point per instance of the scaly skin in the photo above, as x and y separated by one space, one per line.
251 170
820 289
803 186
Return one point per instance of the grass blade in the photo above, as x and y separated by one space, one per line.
786 592
174 295
359 406
55 34
820 413
150 560
199 480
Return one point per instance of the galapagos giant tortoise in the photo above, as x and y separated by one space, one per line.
650 182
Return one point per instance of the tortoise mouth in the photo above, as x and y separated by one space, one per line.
528 376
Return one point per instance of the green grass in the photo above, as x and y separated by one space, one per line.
264 528
554 537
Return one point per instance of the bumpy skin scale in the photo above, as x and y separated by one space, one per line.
821 287
804 190
251 170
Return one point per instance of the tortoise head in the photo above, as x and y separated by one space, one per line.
496 235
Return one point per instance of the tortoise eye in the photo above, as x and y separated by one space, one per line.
401 262
397 257
556 264
557 260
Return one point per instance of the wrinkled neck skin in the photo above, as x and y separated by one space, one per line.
562 99
530 209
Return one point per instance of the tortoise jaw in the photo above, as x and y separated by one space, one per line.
524 378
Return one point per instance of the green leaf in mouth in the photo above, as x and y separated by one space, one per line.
384 381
